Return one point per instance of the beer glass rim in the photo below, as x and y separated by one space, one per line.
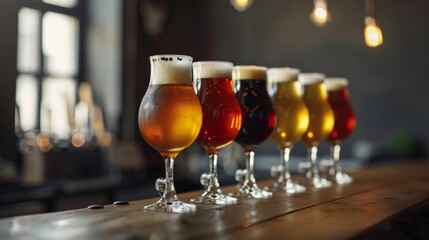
171 69
311 78
250 67
243 72
214 63
170 57
282 74
212 69
335 83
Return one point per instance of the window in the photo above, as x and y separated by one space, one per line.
48 64
63 3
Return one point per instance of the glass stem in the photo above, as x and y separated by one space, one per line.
213 182
335 152
312 153
169 191
285 176
250 158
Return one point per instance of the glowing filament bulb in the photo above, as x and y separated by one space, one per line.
373 34
241 5
320 15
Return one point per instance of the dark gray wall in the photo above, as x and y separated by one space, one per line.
8 41
388 84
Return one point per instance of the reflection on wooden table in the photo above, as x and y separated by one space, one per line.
339 212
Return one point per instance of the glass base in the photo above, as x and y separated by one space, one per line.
318 182
343 178
252 192
214 198
170 206
290 187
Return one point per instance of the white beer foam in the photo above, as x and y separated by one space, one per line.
336 83
283 74
310 78
171 69
212 69
249 72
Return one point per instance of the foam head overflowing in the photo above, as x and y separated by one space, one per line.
212 69
282 74
310 78
249 73
171 69
333 84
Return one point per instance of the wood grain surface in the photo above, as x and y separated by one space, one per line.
339 212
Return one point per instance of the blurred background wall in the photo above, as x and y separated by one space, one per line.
387 84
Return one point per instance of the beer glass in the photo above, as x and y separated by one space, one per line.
292 122
321 123
170 119
258 122
221 122
345 122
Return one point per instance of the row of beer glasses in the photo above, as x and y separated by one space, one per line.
171 117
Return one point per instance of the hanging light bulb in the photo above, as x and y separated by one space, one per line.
241 5
320 15
372 32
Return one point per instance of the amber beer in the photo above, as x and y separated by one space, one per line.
291 111
170 115
170 119
321 114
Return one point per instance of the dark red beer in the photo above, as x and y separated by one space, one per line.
221 113
345 120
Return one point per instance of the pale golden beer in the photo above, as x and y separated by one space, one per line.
291 111
321 114
292 122
170 117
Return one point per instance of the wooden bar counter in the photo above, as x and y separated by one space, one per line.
378 194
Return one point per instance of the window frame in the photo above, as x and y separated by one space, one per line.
79 12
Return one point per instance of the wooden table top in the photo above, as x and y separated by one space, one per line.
339 212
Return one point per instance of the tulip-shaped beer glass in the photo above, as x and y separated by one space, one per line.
292 122
170 119
345 122
321 123
258 122
221 122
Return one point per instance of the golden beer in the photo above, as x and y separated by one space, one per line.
321 123
321 114
292 114
292 122
170 117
